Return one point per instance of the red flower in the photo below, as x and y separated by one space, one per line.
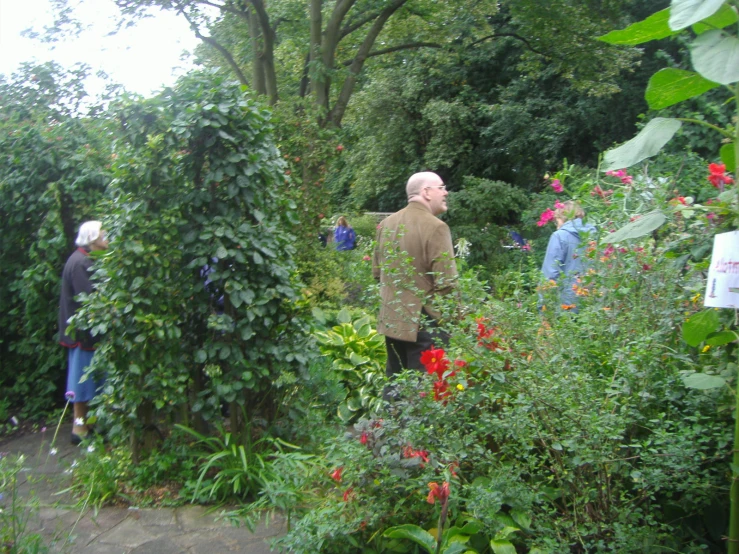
646 267
460 363
441 390
336 474
364 438
717 176
484 336
440 492
408 452
347 493
435 361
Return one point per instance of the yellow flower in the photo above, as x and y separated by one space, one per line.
706 348
696 298
460 386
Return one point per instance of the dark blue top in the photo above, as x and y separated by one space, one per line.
344 237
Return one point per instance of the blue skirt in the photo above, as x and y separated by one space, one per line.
78 360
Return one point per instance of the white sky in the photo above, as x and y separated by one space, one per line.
143 58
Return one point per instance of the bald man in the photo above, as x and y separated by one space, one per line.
414 261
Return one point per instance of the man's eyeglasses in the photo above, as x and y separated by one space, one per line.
442 187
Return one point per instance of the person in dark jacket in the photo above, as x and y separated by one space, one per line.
344 235
80 345
564 260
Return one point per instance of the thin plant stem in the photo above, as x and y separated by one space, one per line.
56 431
733 542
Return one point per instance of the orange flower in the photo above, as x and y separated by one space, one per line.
436 491
568 306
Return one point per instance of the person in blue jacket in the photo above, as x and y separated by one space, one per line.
565 260
344 235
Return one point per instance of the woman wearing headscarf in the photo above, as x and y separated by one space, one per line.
80 345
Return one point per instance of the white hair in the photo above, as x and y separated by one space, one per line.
89 232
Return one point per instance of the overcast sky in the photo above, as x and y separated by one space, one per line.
142 58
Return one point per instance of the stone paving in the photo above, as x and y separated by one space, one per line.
119 530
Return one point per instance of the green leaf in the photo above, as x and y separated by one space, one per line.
728 157
344 316
653 27
506 532
670 86
414 533
648 142
221 252
684 13
456 548
638 228
502 547
716 57
699 326
358 360
522 518
201 356
703 381
724 17
721 338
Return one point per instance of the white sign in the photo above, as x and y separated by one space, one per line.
722 289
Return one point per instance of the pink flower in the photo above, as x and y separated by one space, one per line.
619 173
69 395
366 258
556 185
711 216
608 251
545 217
600 192
526 247
558 205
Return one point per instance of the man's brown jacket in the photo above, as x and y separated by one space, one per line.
413 260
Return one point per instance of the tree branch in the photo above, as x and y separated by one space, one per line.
512 35
408 46
215 44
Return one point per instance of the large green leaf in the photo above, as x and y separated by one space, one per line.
638 228
648 142
716 57
653 27
669 86
414 533
684 13
728 157
502 547
721 338
702 381
699 326
724 17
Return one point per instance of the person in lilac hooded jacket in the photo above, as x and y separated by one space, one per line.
564 260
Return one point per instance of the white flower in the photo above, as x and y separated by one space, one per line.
74 464
53 451
91 448
80 421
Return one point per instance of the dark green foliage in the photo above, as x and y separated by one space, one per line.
481 212
54 172
196 295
